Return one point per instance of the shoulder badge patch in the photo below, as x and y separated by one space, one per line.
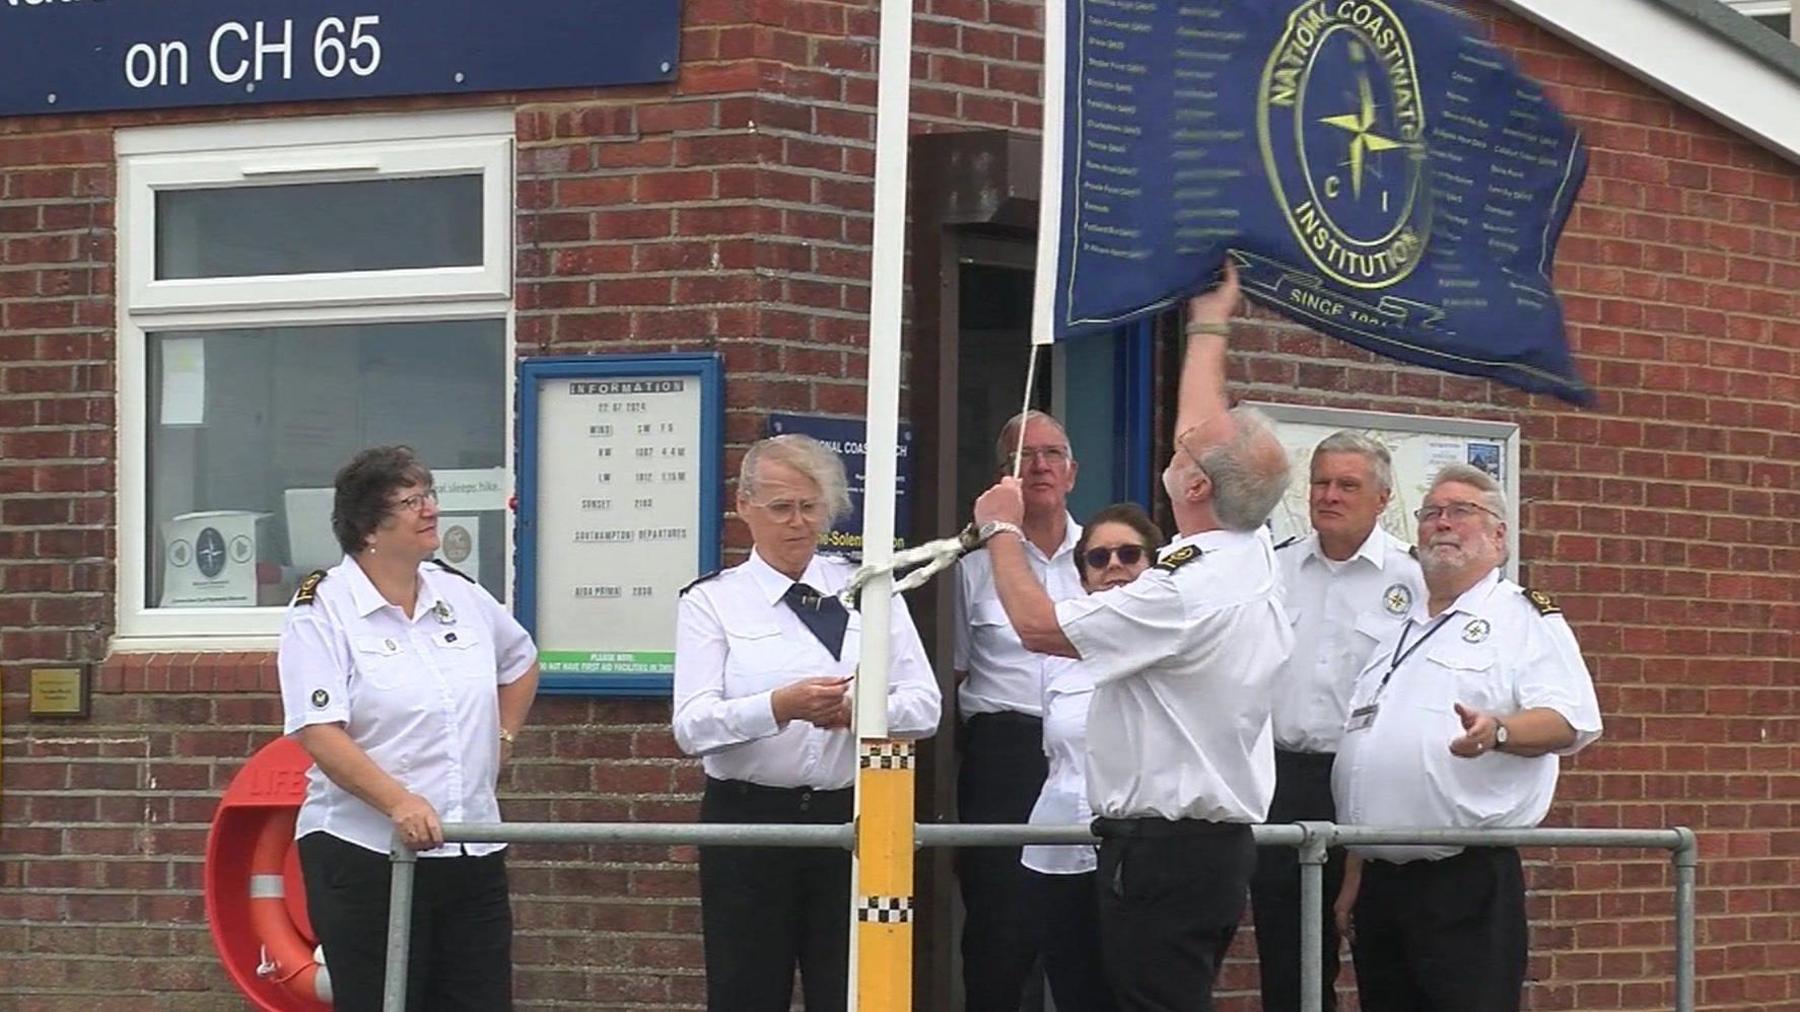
699 581
320 698
448 568
1544 603
309 587
1290 541
1178 558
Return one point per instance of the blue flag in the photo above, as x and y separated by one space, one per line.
1381 173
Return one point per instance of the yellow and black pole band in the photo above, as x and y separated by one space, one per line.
884 876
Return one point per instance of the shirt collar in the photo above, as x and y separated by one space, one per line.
1472 601
368 600
774 584
1372 550
1214 540
1071 534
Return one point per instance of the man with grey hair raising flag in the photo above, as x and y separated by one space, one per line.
1180 761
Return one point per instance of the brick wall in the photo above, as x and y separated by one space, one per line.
731 212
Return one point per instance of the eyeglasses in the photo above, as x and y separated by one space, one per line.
1129 555
1456 511
415 502
1049 456
785 510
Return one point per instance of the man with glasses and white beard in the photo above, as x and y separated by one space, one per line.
1000 691
1457 720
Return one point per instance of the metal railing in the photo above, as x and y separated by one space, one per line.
1312 839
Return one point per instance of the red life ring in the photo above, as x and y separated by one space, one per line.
289 961
255 896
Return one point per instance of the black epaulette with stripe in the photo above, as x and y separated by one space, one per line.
699 581
309 587
1413 550
1544 603
1291 541
448 568
1178 558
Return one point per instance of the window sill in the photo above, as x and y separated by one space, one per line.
167 665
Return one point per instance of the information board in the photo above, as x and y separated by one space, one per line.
618 510
1419 444
63 56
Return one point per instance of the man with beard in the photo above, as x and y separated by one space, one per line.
1000 695
1180 761
1346 585
1456 721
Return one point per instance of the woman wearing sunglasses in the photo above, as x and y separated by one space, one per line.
1117 545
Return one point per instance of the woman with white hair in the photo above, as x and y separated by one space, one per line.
765 659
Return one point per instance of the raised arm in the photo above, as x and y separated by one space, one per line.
1202 396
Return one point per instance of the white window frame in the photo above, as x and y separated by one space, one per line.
269 152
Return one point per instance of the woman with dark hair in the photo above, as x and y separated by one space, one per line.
1118 543
406 682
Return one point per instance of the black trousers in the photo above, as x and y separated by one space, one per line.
1442 936
1003 770
1067 912
765 910
1171 894
461 954
1302 791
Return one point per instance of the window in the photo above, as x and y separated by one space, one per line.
1775 15
293 292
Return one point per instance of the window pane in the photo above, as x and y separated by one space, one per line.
376 225
247 429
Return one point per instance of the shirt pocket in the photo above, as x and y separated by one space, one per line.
759 658
1365 634
464 653
382 661
1471 675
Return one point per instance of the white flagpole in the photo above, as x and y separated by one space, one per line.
1050 180
881 950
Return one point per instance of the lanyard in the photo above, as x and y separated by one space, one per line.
1400 655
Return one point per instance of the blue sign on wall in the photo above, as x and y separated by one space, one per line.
59 56
846 437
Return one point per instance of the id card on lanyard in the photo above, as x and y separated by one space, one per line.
1364 716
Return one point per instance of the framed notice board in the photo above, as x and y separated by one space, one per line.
1419 445
619 484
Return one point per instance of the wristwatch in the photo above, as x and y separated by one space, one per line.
509 737
993 527
1500 735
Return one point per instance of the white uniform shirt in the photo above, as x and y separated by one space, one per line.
417 695
737 641
1064 798
1185 663
1003 675
1340 610
1495 652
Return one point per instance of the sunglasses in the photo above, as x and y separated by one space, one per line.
1129 555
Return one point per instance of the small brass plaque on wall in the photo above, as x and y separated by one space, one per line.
61 691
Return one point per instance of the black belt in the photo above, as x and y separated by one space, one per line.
1155 828
746 789
1422 864
1305 760
1008 718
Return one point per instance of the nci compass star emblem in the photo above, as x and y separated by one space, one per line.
1342 125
